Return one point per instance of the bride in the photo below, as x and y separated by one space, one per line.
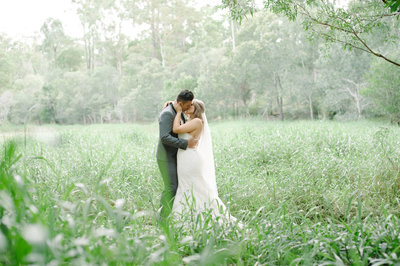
197 187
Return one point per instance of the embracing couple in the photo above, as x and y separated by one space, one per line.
186 161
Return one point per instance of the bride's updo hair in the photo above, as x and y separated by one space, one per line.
199 109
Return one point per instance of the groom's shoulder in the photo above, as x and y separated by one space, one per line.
167 111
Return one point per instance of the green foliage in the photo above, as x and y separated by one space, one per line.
5 69
349 25
394 5
183 83
384 89
239 9
307 192
54 38
70 59
148 94
21 230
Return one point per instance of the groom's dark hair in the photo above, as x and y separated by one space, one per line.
185 96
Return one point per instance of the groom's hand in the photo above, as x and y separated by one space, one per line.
192 142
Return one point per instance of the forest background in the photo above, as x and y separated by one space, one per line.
276 60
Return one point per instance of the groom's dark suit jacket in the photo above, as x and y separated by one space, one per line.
169 142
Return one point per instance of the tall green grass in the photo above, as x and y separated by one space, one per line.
307 193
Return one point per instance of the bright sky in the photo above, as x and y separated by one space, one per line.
22 18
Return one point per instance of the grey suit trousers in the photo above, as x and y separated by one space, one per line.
167 149
170 178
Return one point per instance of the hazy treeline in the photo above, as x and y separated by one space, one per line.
266 66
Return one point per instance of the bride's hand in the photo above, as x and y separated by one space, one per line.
167 103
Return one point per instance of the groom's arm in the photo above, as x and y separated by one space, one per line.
165 124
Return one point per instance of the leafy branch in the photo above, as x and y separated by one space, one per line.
358 18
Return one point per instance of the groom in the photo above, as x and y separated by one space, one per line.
167 149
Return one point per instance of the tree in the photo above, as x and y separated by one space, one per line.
350 26
384 89
115 43
8 63
343 85
6 101
70 59
104 94
280 63
26 105
48 101
90 14
73 100
171 26
148 12
148 93
54 38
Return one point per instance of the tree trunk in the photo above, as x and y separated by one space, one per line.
161 50
314 73
265 113
311 109
92 52
85 40
55 55
120 49
155 32
356 96
134 117
279 100
233 35
89 47
119 64
183 43
280 106
358 103
118 57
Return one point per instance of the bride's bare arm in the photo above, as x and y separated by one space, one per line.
188 127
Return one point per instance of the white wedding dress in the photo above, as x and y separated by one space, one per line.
197 187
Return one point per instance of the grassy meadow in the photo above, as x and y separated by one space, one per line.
307 192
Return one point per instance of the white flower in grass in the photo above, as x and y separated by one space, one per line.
140 214
8 220
105 181
193 258
35 258
33 209
6 201
55 244
119 203
19 180
157 256
187 239
104 232
69 206
82 187
81 241
35 234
